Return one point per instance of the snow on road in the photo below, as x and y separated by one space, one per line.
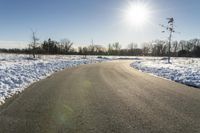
182 70
19 71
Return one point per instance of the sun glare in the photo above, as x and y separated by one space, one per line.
137 14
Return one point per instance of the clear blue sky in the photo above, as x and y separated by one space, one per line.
84 20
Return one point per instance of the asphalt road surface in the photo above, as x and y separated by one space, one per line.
107 97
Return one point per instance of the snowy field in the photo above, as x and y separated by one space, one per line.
19 71
182 70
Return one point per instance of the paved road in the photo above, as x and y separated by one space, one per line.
103 98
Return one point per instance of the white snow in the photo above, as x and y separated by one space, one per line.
182 70
17 72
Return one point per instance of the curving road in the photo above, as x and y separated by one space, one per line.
103 98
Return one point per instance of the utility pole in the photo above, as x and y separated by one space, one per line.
170 28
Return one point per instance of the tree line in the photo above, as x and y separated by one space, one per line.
183 48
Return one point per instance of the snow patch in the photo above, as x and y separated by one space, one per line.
17 72
182 70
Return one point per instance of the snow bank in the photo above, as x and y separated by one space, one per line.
19 71
182 70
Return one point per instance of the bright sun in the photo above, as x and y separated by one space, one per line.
137 14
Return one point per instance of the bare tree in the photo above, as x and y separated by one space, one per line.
117 47
159 48
67 44
189 46
34 44
91 49
146 48
85 51
182 44
170 28
175 47
110 49
131 48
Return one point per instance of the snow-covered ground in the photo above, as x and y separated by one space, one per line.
19 71
182 70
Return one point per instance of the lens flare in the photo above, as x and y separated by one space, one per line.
136 14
